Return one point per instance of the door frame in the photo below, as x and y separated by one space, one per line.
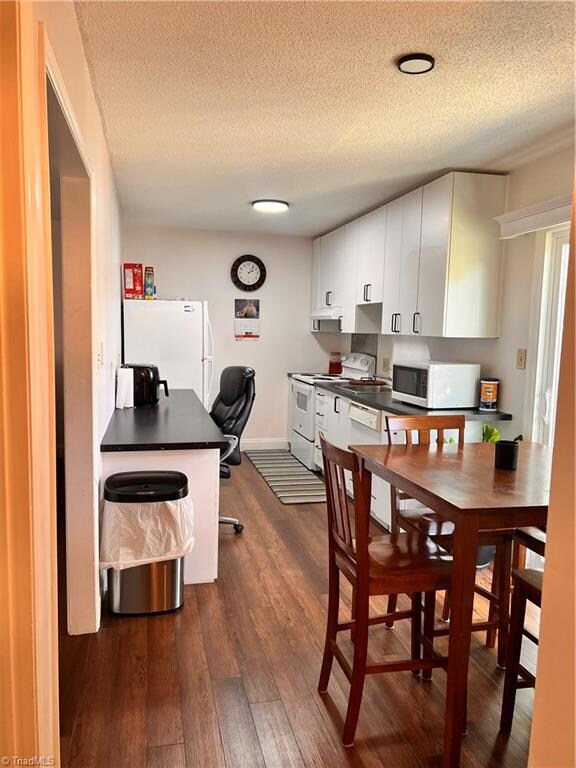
29 723
82 466
544 243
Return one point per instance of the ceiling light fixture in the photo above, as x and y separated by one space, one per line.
415 63
270 206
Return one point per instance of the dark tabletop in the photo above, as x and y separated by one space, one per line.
383 401
178 422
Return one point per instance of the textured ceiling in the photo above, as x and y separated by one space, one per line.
208 105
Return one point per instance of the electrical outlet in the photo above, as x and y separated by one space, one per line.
385 364
521 358
100 355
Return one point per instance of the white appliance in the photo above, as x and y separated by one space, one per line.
432 384
303 402
177 337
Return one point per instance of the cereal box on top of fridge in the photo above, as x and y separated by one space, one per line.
133 281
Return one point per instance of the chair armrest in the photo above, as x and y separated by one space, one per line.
233 440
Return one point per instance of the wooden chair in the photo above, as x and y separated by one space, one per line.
532 538
407 563
527 586
430 523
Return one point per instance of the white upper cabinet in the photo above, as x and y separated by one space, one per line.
431 259
460 256
402 256
315 289
371 245
334 278
409 261
392 261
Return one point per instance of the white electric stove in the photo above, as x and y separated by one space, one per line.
303 401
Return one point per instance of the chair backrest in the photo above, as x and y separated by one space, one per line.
348 524
233 404
424 425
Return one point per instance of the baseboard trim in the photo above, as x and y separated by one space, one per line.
265 444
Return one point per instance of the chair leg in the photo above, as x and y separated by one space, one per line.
416 629
353 616
429 614
493 607
513 658
392 603
358 670
446 606
331 627
392 599
504 573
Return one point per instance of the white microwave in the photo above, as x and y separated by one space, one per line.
431 384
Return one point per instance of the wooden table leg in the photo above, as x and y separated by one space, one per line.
462 599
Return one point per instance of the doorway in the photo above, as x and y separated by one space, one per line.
554 277
77 487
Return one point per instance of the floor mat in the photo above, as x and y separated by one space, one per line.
290 480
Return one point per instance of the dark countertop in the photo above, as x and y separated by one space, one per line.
383 401
178 422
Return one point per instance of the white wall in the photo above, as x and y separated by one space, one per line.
548 177
195 264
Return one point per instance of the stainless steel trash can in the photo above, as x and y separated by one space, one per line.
147 588
153 587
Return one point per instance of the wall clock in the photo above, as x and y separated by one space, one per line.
248 273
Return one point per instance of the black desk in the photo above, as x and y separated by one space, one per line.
178 422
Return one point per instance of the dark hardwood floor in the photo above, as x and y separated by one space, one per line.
230 680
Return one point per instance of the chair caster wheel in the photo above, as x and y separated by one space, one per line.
238 527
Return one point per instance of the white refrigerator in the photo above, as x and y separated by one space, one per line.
177 337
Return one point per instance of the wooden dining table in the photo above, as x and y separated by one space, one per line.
462 485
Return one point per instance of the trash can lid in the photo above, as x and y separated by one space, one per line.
138 487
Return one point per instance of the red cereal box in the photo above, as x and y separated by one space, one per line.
133 281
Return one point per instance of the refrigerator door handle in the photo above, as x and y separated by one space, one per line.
209 352
208 376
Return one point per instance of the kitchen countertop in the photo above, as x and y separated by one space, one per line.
178 422
383 401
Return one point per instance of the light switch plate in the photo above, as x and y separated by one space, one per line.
521 358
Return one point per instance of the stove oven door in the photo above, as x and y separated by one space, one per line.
302 409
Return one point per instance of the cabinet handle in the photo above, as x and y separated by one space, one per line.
328 301
414 329
340 322
336 410
396 317
369 292
392 323
316 325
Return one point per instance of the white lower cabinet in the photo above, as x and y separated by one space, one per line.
333 422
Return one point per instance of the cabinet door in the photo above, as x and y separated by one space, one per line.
329 260
392 256
345 281
434 249
371 245
410 260
315 289
365 227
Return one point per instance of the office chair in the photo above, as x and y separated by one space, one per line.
230 412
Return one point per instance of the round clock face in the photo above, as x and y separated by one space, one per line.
248 273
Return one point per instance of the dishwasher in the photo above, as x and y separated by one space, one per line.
367 427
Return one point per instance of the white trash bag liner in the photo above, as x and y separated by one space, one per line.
137 534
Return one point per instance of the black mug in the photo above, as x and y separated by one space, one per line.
506 456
